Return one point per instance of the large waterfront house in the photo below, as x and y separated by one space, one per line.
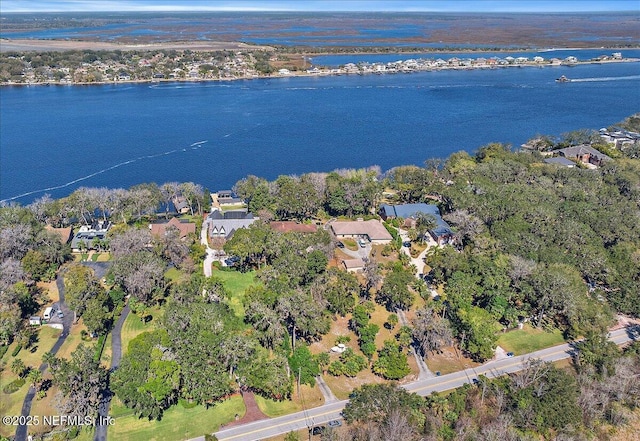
442 233
90 237
225 198
222 225
371 230
183 226
583 153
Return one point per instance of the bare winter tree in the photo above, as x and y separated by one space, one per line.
11 272
372 276
430 331
131 241
15 241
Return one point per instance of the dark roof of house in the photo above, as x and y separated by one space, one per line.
231 214
87 237
559 160
407 211
579 150
410 210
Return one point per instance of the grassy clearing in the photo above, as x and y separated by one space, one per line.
343 386
134 326
350 244
177 423
310 397
236 283
73 340
529 339
44 407
51 290
11 404
175 275
448 361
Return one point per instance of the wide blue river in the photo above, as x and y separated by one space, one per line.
56 139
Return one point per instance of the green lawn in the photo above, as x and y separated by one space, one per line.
236 283
134 326
174 275
11 404
350 244
177 423
274 409
529 339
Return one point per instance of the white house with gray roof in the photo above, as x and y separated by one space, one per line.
222 224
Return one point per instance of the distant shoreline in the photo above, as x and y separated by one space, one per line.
328 73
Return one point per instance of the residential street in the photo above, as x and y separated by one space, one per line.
321 415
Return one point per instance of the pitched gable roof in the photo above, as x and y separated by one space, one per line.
184 227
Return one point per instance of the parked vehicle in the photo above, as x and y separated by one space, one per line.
47 313
60 314
509 354
362 243
318 430
335 423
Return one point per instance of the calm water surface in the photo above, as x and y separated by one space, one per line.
56 139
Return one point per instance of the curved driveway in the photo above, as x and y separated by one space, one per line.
100 269
21 431
116 354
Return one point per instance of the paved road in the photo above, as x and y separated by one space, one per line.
320 415
116 354
21 431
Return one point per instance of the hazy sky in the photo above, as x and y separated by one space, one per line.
322 5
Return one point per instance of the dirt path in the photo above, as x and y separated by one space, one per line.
253 412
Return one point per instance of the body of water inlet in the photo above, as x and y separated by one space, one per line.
55 139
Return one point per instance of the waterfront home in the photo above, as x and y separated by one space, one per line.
222 225
226 198
180 204
90 237
183 226
442 232
583 153
619 138
371 230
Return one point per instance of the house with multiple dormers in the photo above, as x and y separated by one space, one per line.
222 224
